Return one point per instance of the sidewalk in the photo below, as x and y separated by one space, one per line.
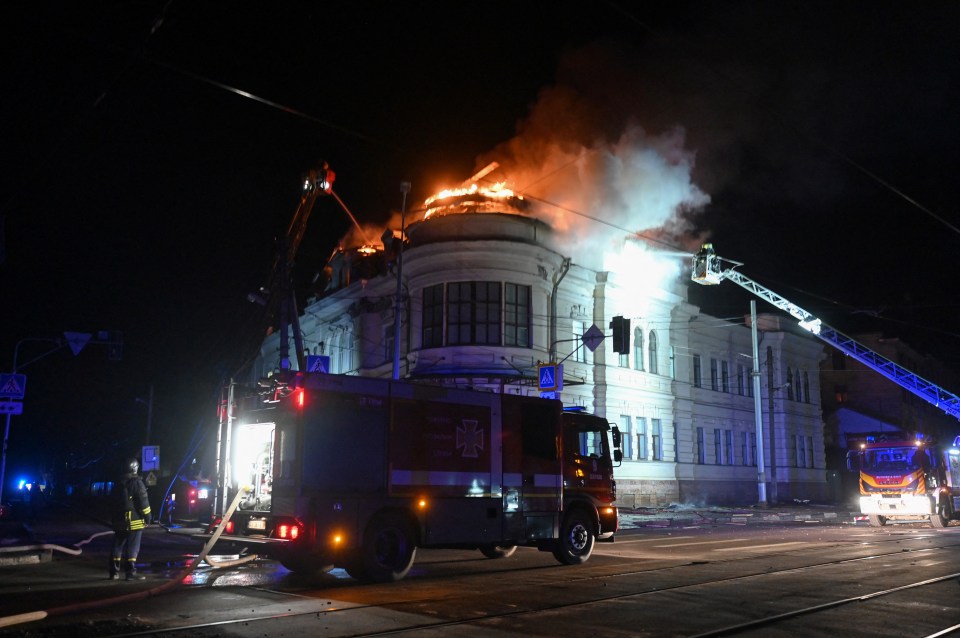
688 516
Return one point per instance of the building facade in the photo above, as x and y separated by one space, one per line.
487 296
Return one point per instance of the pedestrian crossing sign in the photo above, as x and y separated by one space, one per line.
318 363
547 375
12 386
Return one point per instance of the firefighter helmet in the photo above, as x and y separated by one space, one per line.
131 466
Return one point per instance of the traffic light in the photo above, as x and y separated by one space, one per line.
621 335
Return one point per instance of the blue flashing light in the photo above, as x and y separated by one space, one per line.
579 408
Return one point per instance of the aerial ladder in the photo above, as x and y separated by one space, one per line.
709 269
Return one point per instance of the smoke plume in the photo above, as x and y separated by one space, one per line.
596 188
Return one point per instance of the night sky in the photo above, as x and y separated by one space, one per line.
143 186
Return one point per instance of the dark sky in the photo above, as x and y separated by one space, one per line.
141 193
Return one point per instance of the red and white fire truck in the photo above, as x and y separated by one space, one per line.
354 472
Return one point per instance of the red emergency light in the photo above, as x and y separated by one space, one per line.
298 398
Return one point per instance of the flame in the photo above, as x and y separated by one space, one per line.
496 191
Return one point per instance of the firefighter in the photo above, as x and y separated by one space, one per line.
131 515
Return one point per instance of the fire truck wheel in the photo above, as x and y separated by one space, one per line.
389 548
577 536
877 521
498 551
942 518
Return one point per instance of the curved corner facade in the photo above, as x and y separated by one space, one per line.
487 297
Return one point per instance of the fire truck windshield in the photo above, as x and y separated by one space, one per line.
895 458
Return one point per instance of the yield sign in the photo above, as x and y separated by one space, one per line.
76 340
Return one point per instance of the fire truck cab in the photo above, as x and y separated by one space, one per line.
342 471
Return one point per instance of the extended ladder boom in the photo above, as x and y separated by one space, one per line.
708 270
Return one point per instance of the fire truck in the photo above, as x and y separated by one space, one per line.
906 477
890 486
322 471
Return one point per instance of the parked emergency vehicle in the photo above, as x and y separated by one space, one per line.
906 477
358 473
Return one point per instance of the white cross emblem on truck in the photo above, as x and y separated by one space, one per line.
470 438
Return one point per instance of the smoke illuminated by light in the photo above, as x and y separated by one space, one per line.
643 275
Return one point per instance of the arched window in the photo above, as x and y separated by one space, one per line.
653 353
638 348
789 383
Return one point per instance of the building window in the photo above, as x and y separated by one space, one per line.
343 349
697 372
741 380
701 450
673 363
718 447
656 439
749 448
627 436
581 353
725 376
623 360
714 375
728 447
806 386
654 368
388 343
801 451
840 391
432 335
473 313
516 315
638 348
797 385
676 444
789 383
809 451
642 438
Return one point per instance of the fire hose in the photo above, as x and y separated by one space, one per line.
33 616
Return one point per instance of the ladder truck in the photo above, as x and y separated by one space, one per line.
907 479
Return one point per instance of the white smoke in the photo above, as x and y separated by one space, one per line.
596 191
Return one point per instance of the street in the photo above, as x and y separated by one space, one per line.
769 579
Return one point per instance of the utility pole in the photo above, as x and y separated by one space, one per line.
398 305
757 407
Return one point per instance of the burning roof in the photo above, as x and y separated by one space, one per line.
474 199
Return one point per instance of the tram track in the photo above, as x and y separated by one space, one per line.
438 625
